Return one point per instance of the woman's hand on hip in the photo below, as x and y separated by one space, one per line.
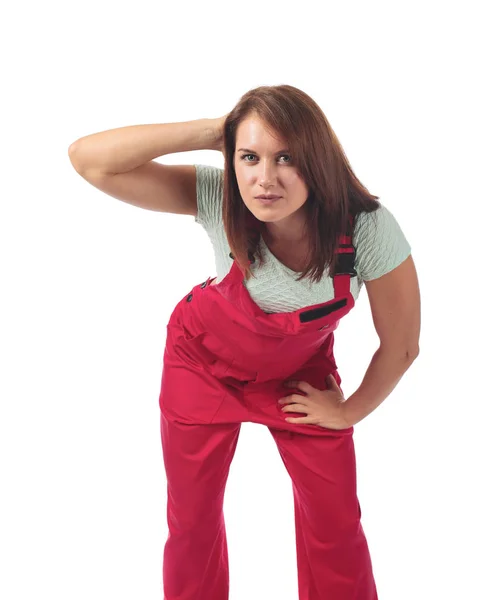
322 407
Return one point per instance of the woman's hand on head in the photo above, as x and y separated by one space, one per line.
215 133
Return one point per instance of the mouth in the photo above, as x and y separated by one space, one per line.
268 200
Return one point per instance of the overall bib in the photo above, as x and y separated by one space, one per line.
225 363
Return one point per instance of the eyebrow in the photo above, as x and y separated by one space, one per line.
254 152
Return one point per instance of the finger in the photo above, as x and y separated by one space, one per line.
301 420
300 385
292 398
333 383
334 387
296 408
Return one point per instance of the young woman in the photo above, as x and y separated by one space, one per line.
295 236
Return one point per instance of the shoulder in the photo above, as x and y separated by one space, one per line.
378 225
372 221
381 244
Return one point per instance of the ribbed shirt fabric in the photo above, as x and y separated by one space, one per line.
378 238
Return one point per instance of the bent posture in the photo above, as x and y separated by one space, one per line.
296 236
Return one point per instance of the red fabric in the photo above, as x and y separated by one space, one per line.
224 363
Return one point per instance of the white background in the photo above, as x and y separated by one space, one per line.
88 284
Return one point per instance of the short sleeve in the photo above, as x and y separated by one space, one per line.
209 189
380 244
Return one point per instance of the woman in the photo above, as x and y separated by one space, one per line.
295 236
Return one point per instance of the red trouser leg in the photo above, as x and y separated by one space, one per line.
197 459
333 559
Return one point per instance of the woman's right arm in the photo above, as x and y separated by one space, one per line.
120 162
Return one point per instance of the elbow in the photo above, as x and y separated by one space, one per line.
72 148
407 352
412 353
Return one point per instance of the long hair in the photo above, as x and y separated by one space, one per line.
335 193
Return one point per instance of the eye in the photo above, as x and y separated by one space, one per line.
245 155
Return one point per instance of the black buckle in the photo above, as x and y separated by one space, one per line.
345 262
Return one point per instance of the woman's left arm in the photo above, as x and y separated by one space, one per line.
395 306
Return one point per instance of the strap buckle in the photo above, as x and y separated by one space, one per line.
345 261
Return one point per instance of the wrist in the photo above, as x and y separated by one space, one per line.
346 417
210 134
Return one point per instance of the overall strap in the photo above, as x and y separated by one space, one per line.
344 269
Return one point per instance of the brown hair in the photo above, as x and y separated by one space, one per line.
335 192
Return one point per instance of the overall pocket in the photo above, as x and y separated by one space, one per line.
212 350
190 392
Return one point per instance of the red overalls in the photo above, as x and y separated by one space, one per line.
224 363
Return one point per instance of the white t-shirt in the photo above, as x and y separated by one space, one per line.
379 241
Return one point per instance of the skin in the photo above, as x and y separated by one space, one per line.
267 171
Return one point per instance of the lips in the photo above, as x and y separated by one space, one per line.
269 197
272 200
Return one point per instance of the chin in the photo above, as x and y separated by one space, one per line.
269 210
265 218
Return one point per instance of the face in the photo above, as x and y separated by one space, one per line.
263 166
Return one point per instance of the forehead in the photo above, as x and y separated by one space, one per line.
253 130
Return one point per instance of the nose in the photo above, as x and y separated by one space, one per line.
267 173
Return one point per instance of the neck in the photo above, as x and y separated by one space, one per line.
283 238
